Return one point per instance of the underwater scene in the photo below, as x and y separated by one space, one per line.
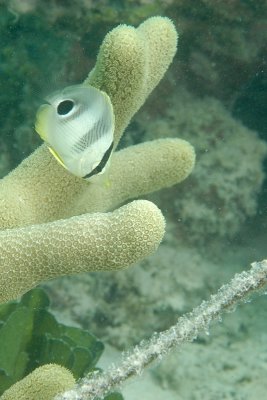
133 200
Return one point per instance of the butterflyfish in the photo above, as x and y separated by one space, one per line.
77 124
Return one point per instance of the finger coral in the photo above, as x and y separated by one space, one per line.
41 202
99 241
44 383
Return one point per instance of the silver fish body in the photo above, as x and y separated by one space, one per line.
77 124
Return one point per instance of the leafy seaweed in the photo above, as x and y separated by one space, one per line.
31 336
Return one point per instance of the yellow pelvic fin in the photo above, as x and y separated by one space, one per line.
57 157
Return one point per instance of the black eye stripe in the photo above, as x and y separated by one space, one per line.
65 107
102 163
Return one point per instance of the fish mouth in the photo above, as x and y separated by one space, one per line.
99 168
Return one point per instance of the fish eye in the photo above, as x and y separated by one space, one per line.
65 107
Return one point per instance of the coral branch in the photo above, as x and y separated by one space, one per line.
186 330
89 242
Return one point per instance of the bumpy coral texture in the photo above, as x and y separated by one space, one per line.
44 383
112 240
40 191
131 62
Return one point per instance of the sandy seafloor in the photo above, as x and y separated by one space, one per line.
227 362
